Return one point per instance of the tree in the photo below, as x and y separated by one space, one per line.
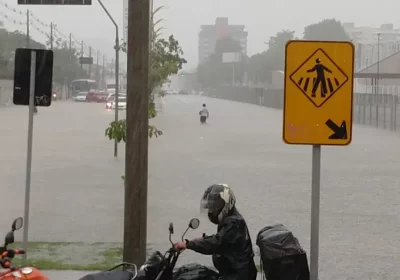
165 60
326 30
9 42
66 63
214 71
261 65
66 66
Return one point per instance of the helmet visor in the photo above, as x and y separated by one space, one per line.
211 203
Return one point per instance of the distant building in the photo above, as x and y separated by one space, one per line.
366 40
210 34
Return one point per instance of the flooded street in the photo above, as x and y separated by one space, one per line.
77 192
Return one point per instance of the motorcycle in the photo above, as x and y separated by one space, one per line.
6 256
157 267
31 273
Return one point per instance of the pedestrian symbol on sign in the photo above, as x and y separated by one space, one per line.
319 77
320 80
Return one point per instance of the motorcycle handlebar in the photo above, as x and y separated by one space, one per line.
6 256
5 263
10 253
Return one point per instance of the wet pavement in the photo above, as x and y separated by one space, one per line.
77 193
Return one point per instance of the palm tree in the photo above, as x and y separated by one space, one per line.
154 31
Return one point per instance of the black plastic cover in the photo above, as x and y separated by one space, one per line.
277 241
195 271
153 265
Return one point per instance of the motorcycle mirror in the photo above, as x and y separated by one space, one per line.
9 238
194 223
17 224
171 232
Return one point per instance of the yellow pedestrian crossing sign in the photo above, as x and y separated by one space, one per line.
318 92
319 77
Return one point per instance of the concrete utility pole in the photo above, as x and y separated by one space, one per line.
377 82
51 35
70 45
90 65
82 56
28 39
137 125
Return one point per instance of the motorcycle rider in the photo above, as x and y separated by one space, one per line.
231 246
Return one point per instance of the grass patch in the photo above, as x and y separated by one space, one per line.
73 255
47 264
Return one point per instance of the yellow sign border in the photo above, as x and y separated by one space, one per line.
349 125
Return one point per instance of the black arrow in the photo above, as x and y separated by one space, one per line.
340 132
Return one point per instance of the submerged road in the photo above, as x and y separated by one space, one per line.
77 192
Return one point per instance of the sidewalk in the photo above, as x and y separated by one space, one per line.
73 275
65 274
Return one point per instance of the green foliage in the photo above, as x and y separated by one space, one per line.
66 65
165 60
261 65
214 72
117 131
153 131
9 42
326 30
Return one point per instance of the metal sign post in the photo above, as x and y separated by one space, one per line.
29 153
314 72
25 86
315 203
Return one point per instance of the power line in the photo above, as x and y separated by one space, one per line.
18 17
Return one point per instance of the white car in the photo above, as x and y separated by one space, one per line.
121 103
120 94
170 91
80 97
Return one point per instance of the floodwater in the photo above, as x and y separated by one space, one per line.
77 192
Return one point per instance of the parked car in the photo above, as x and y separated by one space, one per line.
184 92
80 97
96 97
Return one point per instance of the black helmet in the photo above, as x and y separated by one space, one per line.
218 200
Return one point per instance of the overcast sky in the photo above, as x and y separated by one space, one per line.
263 18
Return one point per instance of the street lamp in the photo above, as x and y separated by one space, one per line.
377 81
117 48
